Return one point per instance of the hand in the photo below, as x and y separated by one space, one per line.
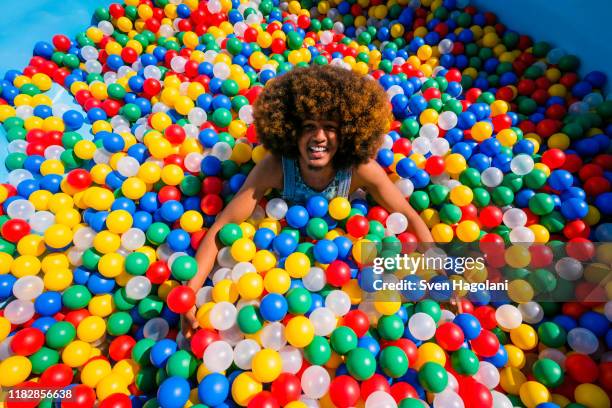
189 323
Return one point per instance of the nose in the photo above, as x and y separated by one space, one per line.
320 134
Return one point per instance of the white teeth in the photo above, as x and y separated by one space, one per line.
318 148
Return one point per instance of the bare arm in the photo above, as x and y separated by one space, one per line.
374 179
265 175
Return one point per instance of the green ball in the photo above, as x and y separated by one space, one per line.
43 359
430 307
410 128
184 267
393 361
294 40
390 327
482 198
249 319
316 228
14 161
433 377
181 364
122 302
438 194
419 200
376 228
343 339
318 352
76 297
465 362
542 280
141 353
229 233
116 91
552 335
502 196
541 204
150 307
136 263
157 232
131 112
554 221
548 372
361 364
119 323
229 87
513 181
60 334
299 301
535 179
145 379
410 403
234 46
450 214
222 117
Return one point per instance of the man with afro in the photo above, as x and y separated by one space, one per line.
322 126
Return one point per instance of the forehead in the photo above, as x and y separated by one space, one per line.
320 121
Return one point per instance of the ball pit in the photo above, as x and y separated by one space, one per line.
496 141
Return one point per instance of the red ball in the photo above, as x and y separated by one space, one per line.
158 272
475 394
338 273
167 193
581 368
181 299
358 321
286 388
211 204
407 346
402 390
151 86
201 340
541 256
79 178
27 341
590 170
501 122
576 229
553 158
486 344
82 396
375 383
402 146
491 216
378 213
116 401
61 42
449 336
605 377
175 134
121 347
264 399
344 391
76 316
595 186
486 317
58 375
15 229
434 165
580 248
357 226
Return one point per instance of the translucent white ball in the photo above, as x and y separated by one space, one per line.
338 302
315 382
244 352
422 326
397 223
323 320
492 177
276 208
218 356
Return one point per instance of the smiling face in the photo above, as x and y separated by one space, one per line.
318 142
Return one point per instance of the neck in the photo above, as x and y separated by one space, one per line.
316 177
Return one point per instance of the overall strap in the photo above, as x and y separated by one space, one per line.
289 178
344 182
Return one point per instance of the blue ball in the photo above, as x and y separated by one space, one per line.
575 208
263 238
48 303
178 240
273 307
284 244
604 203
344 246
595 322
171 210
469 324
317 206
325 251
297 216
560 180
173 392
73 119
161 352
214 389
6 285
499 359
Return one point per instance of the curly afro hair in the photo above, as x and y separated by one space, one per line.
325 92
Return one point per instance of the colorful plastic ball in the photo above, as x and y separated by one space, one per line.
173 392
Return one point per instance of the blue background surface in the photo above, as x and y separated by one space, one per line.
583 29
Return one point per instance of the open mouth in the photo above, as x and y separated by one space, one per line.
317 152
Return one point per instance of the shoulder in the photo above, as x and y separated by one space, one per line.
269 171
369 170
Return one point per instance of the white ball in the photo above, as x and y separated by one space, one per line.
447 120
138 287
422 326
397 223
28 287
218 356
315 280
315 382
514 218
244 352
19 311
273 336
223 315
508 317
276 208
380 399
323 320
338 302
291 359
492 177
156 329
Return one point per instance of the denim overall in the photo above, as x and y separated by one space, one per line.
295 189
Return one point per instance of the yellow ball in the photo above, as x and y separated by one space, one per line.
58 280
517 256
75 354
533 393
5 328
299 331
243 250
160 121
468 231
277 281
244 388
31 245
511 379
430 352
339 208
99 198
591 396
91 329
524 337
481 131
58 236
15 370
264 261
94 371
267 365
191 221
111 265
183 105
520 291
297 265
25 265
250 286
455 163
507 137
101 305
461 195
428 116
442 233
119 221
225 291
106 242
111 384
516 356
